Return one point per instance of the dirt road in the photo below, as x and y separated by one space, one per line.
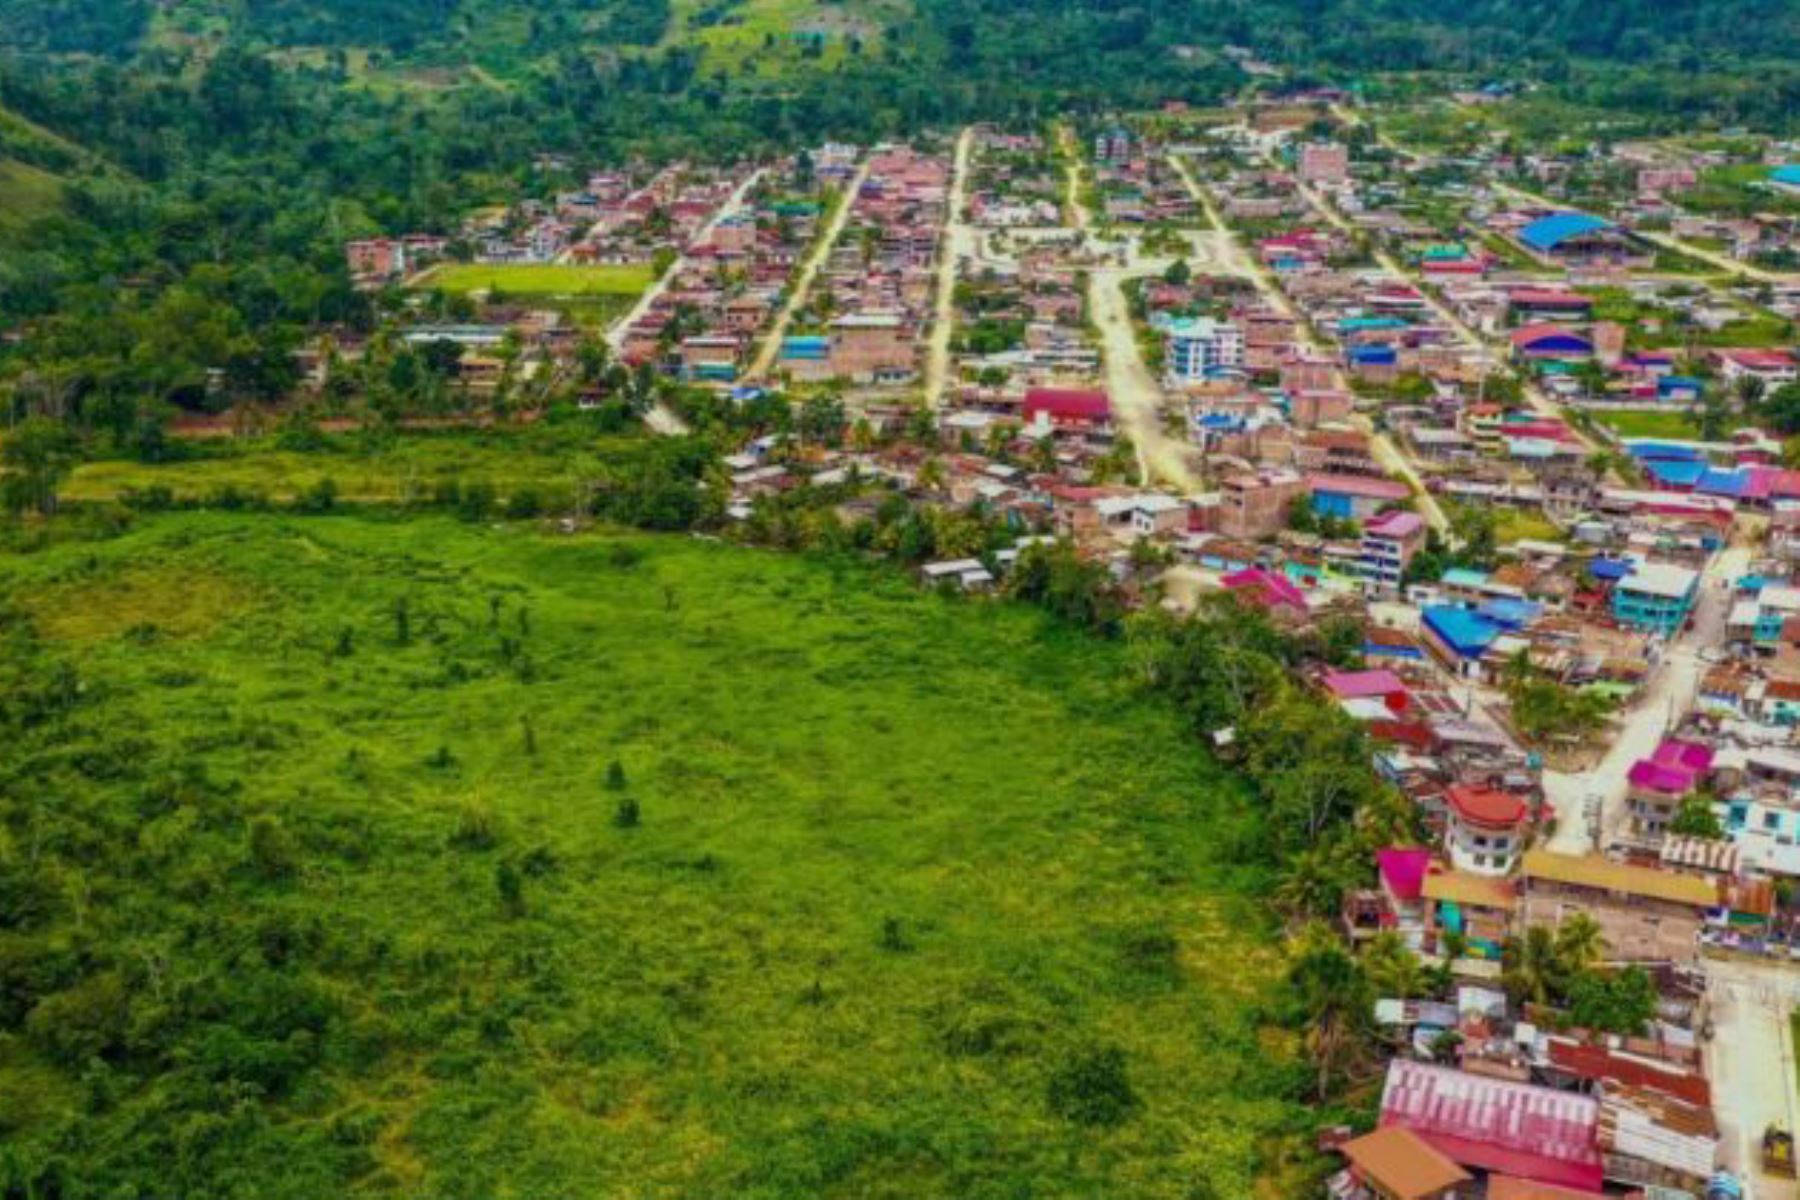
802 285
959 241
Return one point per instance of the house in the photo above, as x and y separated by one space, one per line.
1393 1163
1458 637
1658 784
1067 409
1497 1125
1389 544
1255 506
1486 829
968 574
1656 597
1773 367
1354 497
1645 914
1268 591
1475 908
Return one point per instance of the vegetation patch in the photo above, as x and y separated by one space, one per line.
540 279
473 861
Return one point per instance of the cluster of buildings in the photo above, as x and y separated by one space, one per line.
865 319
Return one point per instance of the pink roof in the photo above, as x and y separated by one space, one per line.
1360 685
1496 1125
1265 588
1657 777
1068 403
1550 296
1403 871
1395 525
1358 485
1695 756
1758 358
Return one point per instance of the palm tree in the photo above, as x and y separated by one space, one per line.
1580 945
1749 391
1530 967
1393 970
1333 1000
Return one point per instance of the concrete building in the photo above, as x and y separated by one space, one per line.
1256 506
1324 162
1486 830
1201 349
1389 543
1656 597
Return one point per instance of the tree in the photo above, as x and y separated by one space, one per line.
1580 945
1621 1002
1696 818
1333 1004
34 460
1782 409
1748 391
1393 970
1530 967
1179 273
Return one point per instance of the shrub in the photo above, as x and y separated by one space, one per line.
1092 1088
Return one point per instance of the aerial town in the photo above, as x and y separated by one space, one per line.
1519 417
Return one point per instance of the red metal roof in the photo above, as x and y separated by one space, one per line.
1487 806
1597 1062
1496 1125
1068 403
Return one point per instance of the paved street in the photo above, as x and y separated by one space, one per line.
1669 696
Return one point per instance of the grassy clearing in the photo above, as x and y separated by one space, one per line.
769 37
1517 525
901 860
1673 424
376 470
541 279
26 195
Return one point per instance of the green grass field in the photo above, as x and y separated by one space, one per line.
384 471
1659 424
316 884
540 279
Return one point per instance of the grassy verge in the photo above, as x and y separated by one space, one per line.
334 834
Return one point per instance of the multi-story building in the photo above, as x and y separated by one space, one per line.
1389 543
1257 506
1656 597
1485 832
1201 348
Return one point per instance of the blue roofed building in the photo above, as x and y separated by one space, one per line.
1458 637
1574 237
1787 177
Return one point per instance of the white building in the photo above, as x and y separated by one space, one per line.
1200 349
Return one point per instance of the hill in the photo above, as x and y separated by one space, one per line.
318 880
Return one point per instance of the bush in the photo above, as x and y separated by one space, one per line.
1092 1088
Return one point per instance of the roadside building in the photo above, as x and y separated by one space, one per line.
1645 914
1656 597
1486 831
